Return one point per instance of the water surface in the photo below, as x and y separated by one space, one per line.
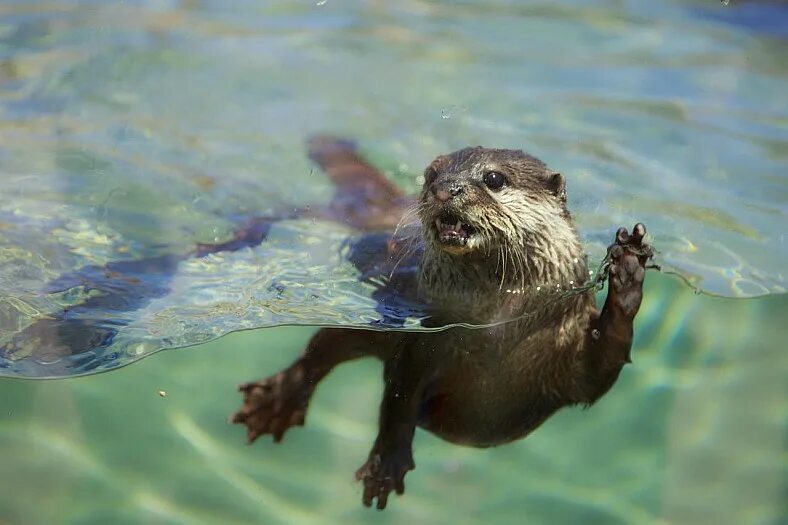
135 130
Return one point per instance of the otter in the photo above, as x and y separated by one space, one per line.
496 248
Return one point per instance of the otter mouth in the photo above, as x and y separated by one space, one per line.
452 232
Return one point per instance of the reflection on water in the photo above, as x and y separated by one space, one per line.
137 130
693 432
133 130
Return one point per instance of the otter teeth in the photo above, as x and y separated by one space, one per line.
453 232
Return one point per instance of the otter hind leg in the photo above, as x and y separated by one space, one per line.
277 403
391 456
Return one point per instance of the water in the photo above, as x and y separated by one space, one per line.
693 432
136 129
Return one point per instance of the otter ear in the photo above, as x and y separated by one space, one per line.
434 168
557 185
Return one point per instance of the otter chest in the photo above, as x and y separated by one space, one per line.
479 387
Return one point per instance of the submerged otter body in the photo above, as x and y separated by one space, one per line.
497 248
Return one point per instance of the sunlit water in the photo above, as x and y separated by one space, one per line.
136 129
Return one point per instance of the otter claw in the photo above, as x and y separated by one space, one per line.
631 242
638 232
627 263
622 236
273 405
383 474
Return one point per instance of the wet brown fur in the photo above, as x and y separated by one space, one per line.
479 387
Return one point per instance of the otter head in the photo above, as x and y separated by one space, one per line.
477 200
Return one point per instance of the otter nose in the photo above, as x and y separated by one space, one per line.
445 193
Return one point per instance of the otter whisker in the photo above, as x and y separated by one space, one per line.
502 258
409 216
412 243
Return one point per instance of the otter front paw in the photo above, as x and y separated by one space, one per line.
273 405
628 256
382 473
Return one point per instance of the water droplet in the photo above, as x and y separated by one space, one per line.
450 111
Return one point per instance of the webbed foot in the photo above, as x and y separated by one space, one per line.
273 405
383 473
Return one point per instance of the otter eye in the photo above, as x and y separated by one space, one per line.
494 180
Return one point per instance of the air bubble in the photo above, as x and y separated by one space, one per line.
450 111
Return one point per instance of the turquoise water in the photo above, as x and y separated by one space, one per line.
136 129
693 432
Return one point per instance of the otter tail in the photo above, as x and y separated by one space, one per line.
365 198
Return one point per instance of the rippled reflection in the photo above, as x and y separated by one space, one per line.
137 130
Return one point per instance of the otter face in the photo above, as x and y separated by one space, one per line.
481 199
